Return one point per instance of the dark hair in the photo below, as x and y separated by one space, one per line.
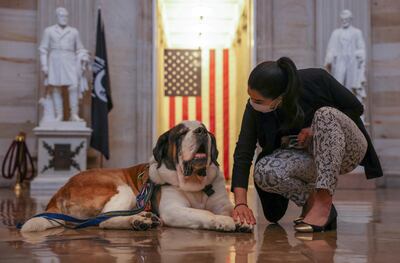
274 78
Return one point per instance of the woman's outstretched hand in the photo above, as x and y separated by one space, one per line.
242 213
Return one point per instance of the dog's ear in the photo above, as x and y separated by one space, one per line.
214 150
161 152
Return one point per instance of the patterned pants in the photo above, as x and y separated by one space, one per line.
338 146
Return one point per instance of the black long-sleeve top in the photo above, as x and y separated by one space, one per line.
319 89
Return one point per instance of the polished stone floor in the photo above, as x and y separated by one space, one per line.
368 231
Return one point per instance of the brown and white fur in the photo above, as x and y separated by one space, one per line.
184 161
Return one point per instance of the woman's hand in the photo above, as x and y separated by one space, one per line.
305 136
243 214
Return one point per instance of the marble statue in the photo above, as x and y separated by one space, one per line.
346 56
48 110
64 61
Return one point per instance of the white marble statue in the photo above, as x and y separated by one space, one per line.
346 56
64 62
48 110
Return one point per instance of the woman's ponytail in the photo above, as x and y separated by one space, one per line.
294 115
273 79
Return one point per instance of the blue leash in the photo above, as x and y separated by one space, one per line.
142 200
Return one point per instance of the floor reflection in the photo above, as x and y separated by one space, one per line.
368 231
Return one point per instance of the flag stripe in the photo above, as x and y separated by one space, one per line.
198 108
226 112
185 108
219 110
192 107
171 112
205 87
178 109
212 91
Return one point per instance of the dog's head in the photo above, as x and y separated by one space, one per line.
188 149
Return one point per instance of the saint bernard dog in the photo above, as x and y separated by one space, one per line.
192 189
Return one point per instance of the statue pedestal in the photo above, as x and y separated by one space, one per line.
62 153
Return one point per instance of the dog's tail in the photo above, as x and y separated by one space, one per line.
37 224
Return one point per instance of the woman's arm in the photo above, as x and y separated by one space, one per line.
243 157
240 195
244 151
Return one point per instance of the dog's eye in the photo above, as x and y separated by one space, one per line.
182 134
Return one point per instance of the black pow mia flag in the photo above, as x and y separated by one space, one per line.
101 94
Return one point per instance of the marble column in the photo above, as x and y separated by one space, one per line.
326 20
129 33
18 74
285 28
384 88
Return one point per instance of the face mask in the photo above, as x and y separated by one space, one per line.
266 108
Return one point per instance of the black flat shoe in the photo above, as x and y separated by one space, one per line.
331 224
298 220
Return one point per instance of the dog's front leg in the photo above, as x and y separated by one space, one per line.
141 221
187 217
220 204
175 211
125 199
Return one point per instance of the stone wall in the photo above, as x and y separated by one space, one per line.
385 86
129 33
18 73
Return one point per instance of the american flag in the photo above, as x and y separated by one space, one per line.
182 69
196 87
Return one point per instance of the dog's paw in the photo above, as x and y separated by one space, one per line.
144 221
244 227
224 223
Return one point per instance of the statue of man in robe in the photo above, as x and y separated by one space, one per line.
64 61
346 56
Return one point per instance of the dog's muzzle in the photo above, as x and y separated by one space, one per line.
198 164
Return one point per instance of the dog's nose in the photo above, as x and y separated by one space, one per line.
201 131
